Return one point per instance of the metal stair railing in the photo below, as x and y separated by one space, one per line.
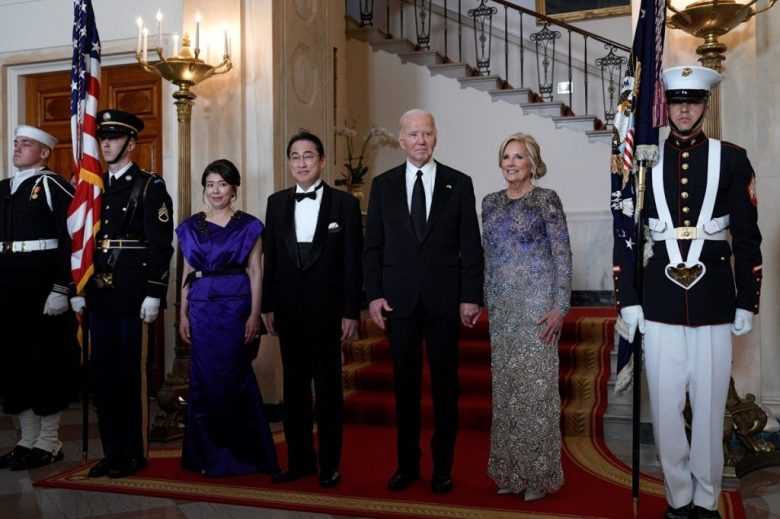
524 30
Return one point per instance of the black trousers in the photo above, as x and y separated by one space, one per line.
312 353
39 354
441 340
118 370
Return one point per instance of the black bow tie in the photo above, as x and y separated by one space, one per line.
311 194
302 196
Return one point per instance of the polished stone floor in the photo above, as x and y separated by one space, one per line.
20 499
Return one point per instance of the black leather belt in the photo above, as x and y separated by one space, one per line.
197 274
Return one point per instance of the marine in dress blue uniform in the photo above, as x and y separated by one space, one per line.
701 192
126 292
38 350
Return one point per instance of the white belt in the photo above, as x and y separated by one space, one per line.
714 229
29 245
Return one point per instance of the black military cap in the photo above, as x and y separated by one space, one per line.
116 123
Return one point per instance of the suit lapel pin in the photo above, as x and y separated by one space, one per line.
448 186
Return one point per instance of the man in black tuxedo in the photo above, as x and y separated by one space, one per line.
423 269
312 284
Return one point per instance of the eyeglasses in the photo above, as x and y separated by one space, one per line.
308 158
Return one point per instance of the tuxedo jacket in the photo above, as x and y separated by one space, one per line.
325 286
443 270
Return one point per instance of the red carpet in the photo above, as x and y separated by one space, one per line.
597 483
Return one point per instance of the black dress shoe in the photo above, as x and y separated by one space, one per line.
36 458
16 453
441 483
330 478
291 474
126 467
703 513
100 469
684 512
402 480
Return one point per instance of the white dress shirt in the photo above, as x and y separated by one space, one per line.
113 175
428 179
306 213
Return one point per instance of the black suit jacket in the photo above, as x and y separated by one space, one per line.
443 270
327 286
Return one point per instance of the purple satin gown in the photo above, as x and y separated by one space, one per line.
227 431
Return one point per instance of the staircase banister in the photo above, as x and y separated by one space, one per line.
560 23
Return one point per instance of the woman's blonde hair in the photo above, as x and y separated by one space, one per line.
538 167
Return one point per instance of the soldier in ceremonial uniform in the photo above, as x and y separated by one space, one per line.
701 192
127 290
38 351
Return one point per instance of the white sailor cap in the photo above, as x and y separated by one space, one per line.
36 134
689 82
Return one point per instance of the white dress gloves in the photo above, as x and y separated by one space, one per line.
78 303
56 304
634 318
743 322
149 309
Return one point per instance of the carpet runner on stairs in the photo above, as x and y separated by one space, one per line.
584 349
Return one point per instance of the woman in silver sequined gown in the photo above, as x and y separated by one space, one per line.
527 292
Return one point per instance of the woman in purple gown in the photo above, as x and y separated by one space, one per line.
227 431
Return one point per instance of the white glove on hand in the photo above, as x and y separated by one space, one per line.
743 322
634 318
56 304
78 303
149 309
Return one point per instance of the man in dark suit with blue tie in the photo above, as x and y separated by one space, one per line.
312 291
423 272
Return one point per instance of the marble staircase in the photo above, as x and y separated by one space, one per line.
528 102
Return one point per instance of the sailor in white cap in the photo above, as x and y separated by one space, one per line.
701 192
39 355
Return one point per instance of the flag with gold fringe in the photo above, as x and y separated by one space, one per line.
641 110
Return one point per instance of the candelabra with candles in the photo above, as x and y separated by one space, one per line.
710 19
184 69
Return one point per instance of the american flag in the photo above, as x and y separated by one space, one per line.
639 114
84 213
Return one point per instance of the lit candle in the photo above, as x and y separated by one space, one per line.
175 44
227 50
146 37
197 30
159 28
140 23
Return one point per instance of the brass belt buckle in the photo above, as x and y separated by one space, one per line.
104 244
104 280
6 246
686 233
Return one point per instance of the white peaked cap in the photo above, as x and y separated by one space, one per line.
691 78
35 133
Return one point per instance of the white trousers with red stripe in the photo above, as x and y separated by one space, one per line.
696 359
